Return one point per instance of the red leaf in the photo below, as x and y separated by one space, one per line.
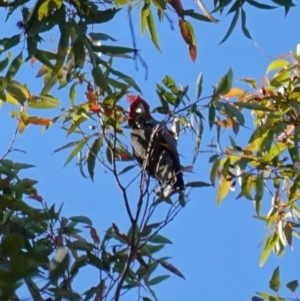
90 94
121 236
193 52
37 121
94 108
176 4
36 197
184 31
124 156
171 268
94 235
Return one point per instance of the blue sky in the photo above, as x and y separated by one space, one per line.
217 249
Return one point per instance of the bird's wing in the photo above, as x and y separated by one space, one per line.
167 140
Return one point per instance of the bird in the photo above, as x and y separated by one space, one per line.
154 147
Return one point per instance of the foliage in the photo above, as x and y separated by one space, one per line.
275 285
128 260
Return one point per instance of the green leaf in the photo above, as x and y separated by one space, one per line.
72 93
101 80
196 184
152 30
144 15
274 283
14 67
101 16
79 53
232 26
126 169
255 298
214 171
4 63
33 289
81 245
247 184
286 3
268 297
159 239
77 149
199 85
160 4
18 92
224 84
31 47
112 50
92 155
8 171
12 244
276 150
223 190
244 28
259 185
191 13
211 115
251 81
8 43
158 279
234 113
277 64
198 138
221 6
150 249
101 37
252 106
292 285
44 57
81 219
260 5
270 243
3 96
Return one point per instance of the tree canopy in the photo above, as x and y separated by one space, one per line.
80 85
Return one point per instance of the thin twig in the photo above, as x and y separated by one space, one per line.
10 147
137 57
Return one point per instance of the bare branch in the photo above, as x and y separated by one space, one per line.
10 147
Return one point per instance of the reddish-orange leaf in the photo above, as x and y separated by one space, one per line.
108 112
36 197
94 235
121 236
94 108
176 4
38 121
184 31
90 94
193 52
124 157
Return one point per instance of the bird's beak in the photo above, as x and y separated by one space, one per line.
140 109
